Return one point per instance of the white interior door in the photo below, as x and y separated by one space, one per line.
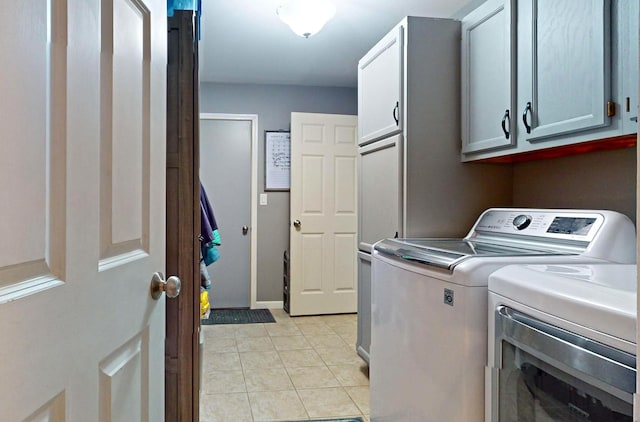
228 154
82 164
323 260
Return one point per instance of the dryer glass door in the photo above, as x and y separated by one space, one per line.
549 374
532 390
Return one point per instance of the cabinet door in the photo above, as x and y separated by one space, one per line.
380 191
628 63
563 67
380 89
363 343
487 77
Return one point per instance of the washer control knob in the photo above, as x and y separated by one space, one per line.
522 221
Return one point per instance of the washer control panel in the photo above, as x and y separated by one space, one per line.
556 224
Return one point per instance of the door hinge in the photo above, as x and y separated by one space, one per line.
611 109
628 104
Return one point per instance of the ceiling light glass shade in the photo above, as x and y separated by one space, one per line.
306 17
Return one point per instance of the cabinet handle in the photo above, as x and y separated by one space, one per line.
527 111
506 118
396 113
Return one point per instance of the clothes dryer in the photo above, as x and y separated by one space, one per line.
562 343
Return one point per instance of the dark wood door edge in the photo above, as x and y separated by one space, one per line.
182 221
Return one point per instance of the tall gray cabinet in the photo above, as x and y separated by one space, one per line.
411 180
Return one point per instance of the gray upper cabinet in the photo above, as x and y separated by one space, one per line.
627 20
576 67
488 77
563 67
380 89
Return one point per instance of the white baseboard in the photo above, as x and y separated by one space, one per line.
276 304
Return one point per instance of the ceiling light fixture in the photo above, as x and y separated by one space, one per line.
306 17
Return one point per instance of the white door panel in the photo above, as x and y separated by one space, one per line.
324 200
82 210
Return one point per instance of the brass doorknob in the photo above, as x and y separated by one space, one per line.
297 224
171 286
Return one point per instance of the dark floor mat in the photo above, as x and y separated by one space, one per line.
238 316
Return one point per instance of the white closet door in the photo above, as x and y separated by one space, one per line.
82 210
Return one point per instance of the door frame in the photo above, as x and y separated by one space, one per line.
253 249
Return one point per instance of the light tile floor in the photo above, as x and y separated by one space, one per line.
298 368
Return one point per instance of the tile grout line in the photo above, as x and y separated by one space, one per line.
298 394
244 378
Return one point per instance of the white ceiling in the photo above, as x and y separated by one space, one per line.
244 41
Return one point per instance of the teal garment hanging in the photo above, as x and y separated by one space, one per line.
195 5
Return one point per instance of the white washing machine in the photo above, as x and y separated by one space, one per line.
562 343
429 303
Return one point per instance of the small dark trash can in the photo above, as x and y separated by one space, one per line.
285 282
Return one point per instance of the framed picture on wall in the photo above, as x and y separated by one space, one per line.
277 164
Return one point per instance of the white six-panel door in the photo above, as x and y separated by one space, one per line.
82 200
324 246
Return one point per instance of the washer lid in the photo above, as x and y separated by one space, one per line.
447 253
601 297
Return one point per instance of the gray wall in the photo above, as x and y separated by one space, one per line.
601 180
273 104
